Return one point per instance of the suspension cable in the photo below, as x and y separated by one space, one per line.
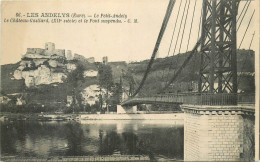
172 35
183 31
177 38
183 65
191 25
164 25
239 78
187 59
242 10
180 26
246 29
243 16
199 24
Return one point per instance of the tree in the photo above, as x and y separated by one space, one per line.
75 81
105 79
116 96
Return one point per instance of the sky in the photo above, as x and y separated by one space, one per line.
120 42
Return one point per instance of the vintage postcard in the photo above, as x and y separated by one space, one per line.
132 80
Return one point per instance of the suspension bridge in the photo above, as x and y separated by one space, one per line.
217 45
218 121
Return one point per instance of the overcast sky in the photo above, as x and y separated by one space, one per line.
120 42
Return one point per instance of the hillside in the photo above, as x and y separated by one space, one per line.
56 93
8 84
163 69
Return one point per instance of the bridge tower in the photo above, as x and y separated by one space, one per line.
218 132
218 71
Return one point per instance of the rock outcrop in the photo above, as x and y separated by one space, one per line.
43 66
90 73
90 94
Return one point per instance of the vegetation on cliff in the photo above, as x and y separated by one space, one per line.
54 96
164 68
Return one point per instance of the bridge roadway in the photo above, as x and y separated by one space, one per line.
193 99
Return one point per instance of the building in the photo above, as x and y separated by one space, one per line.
69 55
49 46
48 51
105 60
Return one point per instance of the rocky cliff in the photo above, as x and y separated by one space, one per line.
43 73
43 66
46 72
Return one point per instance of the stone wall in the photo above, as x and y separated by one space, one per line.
69 55
59 52
191 137
34 50
214 135
36 56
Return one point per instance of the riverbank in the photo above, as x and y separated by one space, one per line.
38 116
63 117
83 158
170 116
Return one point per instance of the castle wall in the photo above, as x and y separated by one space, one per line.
59 52
35 50
68 55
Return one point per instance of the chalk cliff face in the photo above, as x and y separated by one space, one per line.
90 73
43 73
90 94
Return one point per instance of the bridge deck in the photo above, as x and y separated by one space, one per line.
193 99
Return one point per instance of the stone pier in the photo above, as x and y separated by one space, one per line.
126 109
218 133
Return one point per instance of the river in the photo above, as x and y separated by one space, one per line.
158 139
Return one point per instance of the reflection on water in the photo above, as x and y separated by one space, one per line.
157 139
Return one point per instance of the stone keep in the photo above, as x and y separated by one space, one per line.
49 47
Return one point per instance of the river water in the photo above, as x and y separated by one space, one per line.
158 139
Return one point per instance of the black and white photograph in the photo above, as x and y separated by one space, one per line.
129 80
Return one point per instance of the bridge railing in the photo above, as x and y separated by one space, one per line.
201 98
211 99
246 98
